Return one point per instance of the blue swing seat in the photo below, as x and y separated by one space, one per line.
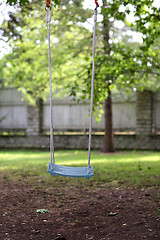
69 171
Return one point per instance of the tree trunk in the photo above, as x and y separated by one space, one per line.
108 144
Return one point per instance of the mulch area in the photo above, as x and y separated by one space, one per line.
77 212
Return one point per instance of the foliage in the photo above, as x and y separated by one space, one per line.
24 2
126 68
21 2
146 16
124 64
26 67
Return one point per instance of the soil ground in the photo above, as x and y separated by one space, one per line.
77 212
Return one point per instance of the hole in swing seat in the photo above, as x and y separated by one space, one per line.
70 171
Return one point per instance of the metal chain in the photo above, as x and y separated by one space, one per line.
48 20
92 87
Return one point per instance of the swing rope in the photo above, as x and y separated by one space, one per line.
48 21
92 85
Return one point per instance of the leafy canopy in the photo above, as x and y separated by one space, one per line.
123 64
119 64
26 67
24 2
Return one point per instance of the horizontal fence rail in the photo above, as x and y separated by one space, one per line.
17 116
136 122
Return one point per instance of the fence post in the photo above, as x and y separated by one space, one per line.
144 113
34 118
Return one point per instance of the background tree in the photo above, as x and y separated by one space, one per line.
120 64
123 64
26 67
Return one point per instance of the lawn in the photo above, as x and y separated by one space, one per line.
121 200
125 168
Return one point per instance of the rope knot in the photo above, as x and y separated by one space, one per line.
48 2
96 2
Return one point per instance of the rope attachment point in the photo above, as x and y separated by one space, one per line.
97 4
48 2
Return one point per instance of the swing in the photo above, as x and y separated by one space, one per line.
53 168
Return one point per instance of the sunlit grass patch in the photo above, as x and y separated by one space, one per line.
126 168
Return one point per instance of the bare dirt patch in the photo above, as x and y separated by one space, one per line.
77 212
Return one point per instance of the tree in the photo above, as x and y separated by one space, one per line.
27 64
119 64
122 65
127 72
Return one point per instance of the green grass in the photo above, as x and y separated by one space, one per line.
126 168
